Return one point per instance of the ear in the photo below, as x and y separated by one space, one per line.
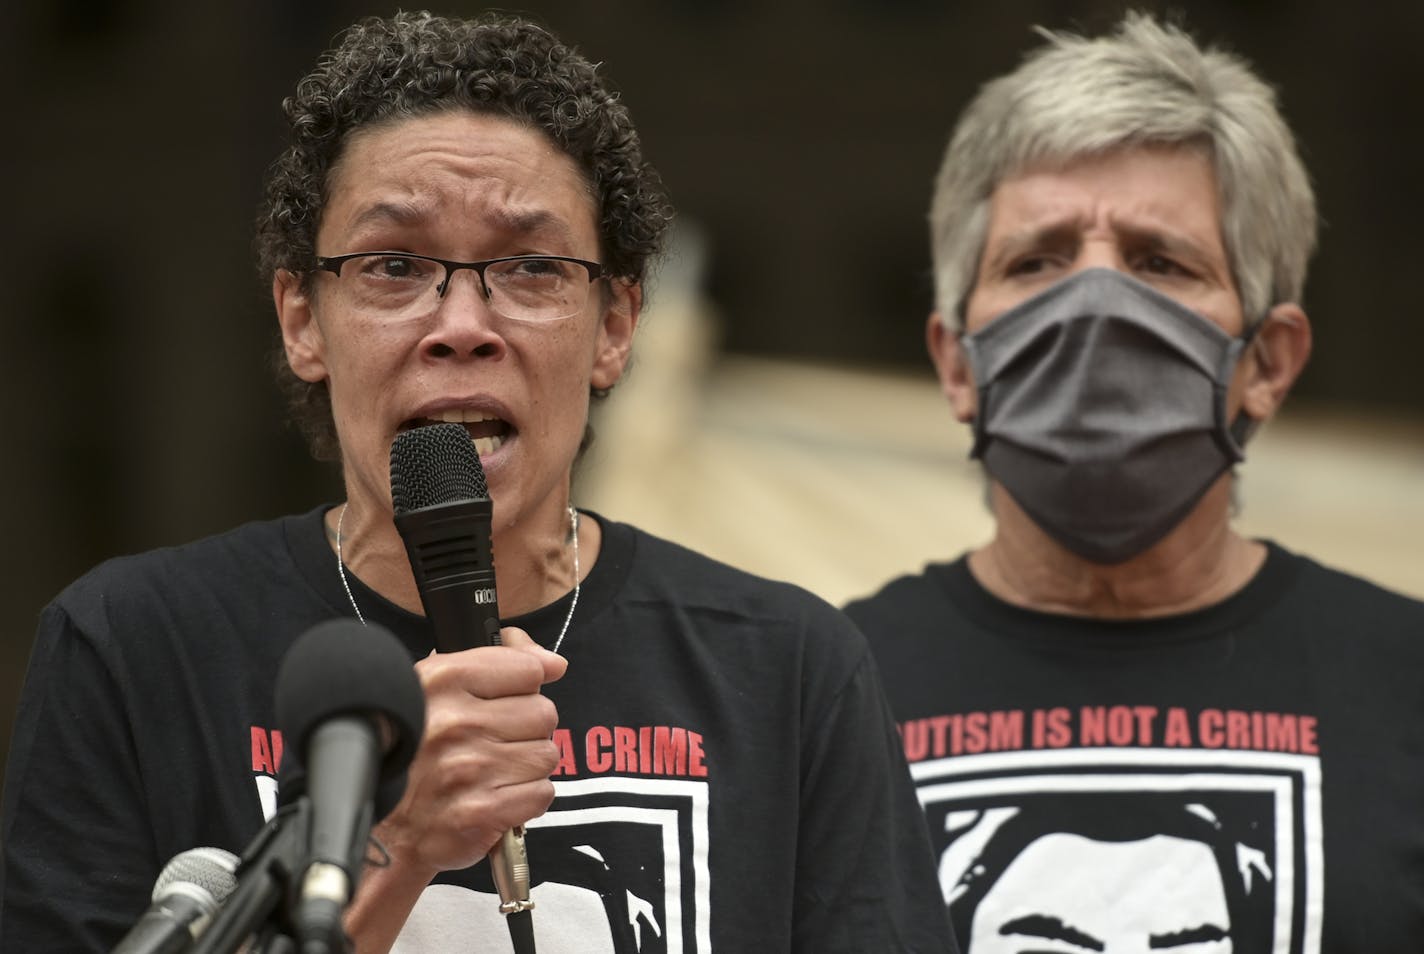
615 336
301 334
955 378
1274 359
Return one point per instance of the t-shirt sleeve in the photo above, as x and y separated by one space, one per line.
78 847
865 872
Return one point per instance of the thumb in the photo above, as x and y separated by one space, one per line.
516 638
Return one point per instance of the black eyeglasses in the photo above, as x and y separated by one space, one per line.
524 287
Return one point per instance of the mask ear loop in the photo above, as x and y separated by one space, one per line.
1233 437
971 355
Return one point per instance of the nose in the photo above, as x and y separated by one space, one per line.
1100 251
463 324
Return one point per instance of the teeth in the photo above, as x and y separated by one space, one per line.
462 416
487 445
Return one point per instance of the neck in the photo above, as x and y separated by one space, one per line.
533 558
1199 563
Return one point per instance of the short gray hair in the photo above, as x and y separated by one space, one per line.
1147 83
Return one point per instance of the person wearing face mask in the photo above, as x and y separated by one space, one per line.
1120 228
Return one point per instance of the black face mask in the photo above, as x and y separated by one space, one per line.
1102 410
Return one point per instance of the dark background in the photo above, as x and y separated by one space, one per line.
802 136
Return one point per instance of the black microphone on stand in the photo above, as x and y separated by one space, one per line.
187 893
443 512
350 704
352 708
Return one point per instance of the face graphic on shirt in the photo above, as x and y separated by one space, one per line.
1068 893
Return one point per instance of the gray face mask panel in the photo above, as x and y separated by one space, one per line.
1102 410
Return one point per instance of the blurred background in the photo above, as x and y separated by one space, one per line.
781 413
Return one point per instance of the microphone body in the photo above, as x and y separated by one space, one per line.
349 698
343 758
187 893
444 514
452 558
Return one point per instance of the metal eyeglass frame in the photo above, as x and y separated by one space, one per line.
333 263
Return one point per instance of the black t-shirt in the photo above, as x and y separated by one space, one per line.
1253 770
730 776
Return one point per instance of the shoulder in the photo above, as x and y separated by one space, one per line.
162 586
197 558
663 567
1321 590
712 596
907 598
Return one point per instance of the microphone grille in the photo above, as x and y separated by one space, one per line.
435 464
341 667
211 869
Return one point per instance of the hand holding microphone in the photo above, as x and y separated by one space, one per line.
485 763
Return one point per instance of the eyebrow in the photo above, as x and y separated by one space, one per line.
528 220
397 213
1065 232
1051 929
513 220
1196 935
1172 244
1050 235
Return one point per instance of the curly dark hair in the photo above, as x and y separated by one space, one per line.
415 63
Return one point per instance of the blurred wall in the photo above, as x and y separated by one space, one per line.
802 136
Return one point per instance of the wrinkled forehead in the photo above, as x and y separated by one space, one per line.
470 128
1170 190
458 170
1075 164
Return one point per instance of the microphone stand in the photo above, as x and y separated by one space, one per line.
267 886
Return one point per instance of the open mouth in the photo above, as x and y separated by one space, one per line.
486 430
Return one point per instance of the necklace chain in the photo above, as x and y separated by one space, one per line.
573 603
341 566
568 618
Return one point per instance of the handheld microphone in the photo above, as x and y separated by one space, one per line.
188 890
443 512
349 700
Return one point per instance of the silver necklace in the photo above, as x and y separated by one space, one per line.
563 631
